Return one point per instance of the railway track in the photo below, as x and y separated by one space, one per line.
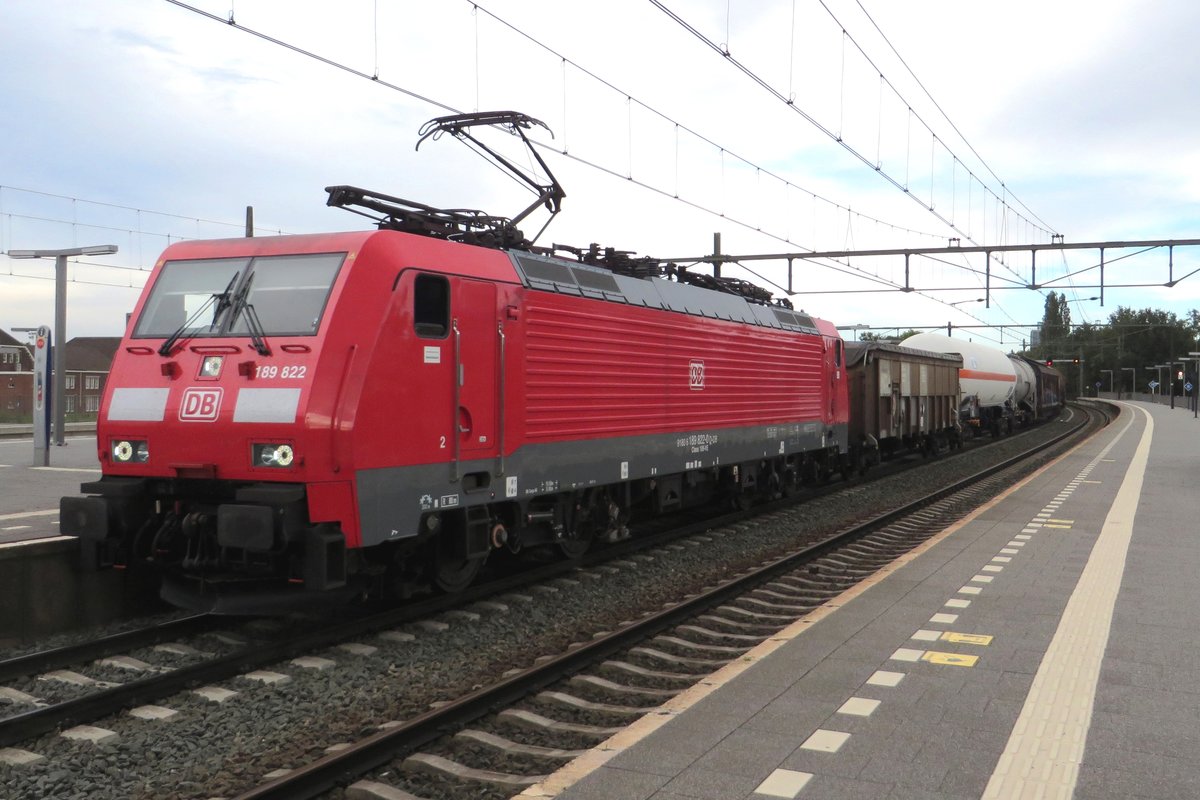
554 711
652 669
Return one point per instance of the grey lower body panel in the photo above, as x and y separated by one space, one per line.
393 499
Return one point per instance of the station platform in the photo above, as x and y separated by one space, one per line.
30 492
1045 647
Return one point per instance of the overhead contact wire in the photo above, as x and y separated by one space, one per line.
941 111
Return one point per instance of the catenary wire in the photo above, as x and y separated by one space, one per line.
563 152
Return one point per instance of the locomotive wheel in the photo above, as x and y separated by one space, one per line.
581 513
573 548
454 575
791 482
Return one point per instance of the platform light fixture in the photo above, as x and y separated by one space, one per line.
59 398
1195 356
1132 379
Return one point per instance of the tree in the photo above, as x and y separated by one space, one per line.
1056 326
889 339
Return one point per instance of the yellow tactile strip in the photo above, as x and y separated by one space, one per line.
571 773
1042 757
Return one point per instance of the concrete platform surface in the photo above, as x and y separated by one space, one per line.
29 500
1046 647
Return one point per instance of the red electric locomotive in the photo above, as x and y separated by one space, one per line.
304 418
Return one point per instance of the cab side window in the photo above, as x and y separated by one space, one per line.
837 353
431 306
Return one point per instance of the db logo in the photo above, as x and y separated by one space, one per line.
200 405
696 374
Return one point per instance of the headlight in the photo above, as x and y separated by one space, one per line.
130 451
210 367
273 455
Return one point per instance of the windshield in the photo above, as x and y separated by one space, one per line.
184 288
287 292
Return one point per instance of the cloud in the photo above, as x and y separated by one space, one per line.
153 107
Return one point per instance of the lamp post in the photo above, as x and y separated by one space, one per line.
59 398
956 304
1170 371
1196 386
1132 379
1158 388
856 328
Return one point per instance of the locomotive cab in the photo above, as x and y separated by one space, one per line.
207 461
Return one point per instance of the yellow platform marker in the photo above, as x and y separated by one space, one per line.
950 659
968 638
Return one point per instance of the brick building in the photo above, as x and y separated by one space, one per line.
88 361
16 379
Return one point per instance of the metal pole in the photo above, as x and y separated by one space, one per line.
1196 386
59 401
58 398
716 254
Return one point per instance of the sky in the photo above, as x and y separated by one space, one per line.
785 126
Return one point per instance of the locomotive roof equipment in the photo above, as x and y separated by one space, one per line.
464 225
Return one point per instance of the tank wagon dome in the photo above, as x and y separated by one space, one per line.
987 373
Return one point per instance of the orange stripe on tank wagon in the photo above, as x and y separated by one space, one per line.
986 376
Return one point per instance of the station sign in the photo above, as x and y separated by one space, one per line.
42 369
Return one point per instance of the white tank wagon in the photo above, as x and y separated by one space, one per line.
988 381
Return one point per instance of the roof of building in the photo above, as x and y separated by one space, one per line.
91 353
8 340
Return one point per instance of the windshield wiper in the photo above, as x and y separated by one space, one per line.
223 302
225 299
257 335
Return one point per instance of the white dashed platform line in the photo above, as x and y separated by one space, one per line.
66 469
1045 749
784 783
28 514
